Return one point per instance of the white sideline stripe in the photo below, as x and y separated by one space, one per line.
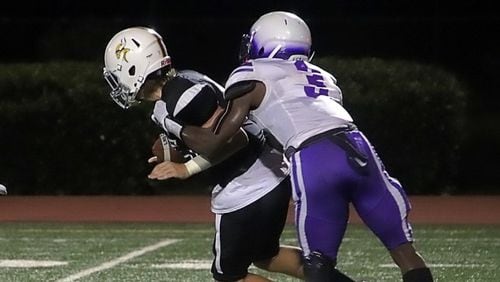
23 263
440 265
114 262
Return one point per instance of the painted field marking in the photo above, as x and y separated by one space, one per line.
115 262
185 264
119 230
188 264
441 265
207 264
23 263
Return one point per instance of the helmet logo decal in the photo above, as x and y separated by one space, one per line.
121 52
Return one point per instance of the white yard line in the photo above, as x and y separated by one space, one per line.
118 230
207 264
185 264
115 262
23 263
188 264
441 265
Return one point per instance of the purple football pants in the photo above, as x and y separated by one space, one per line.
326 178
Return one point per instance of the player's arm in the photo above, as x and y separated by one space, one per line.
206 134
208 142
199 163
211 142
168 169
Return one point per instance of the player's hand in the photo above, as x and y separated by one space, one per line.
166 170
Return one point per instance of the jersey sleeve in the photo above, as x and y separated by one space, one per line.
244 72
192 98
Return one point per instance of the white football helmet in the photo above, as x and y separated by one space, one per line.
131 55
277 35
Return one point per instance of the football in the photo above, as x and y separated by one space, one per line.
162 150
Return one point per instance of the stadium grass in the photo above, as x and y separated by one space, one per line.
456 252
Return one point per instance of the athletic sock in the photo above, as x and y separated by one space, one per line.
418 275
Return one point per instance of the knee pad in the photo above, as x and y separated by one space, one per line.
321 268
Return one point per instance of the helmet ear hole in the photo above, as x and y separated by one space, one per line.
131 71
261 51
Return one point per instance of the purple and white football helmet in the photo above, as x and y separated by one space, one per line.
277 35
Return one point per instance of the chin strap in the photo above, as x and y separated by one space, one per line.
312 56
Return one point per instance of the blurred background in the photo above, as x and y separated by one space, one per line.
421 78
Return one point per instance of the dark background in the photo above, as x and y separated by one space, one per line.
460 36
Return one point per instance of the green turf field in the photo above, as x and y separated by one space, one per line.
173 252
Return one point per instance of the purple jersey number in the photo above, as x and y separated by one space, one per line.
314 78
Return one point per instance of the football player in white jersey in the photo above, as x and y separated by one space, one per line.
251 188
332 163
3 190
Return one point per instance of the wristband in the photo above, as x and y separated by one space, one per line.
196 165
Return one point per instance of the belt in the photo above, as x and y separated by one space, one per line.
318 137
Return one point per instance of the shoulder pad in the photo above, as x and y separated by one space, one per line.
239 89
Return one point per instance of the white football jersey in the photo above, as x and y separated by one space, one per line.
260 178
301 99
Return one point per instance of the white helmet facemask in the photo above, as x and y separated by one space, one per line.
130 56
277 35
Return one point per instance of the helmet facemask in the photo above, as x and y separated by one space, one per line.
120 93
245 45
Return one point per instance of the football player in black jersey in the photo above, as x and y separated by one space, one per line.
252 190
